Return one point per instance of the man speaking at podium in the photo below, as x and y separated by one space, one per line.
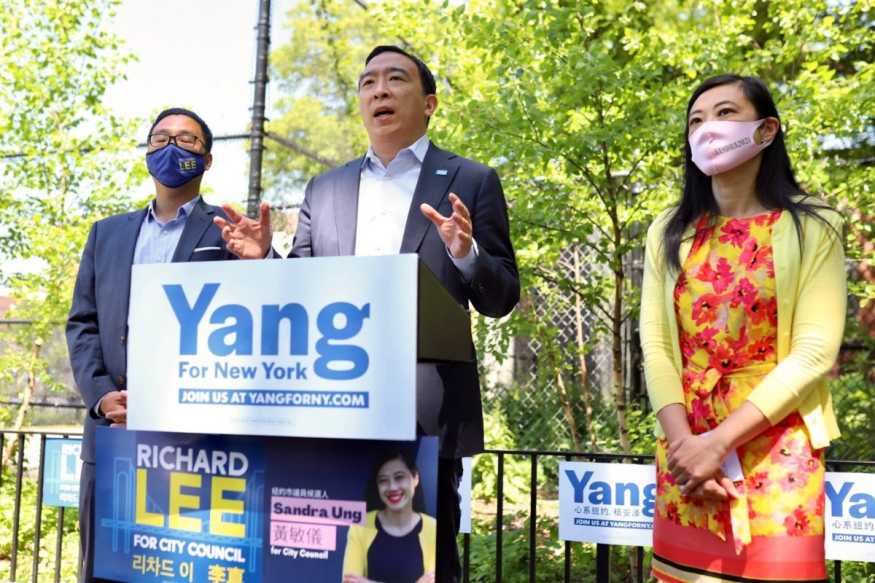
176 226
406 195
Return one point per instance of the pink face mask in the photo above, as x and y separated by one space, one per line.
719 146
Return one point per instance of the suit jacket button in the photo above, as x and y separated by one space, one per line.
123 338
121 380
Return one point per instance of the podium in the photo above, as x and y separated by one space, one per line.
264 400
263 344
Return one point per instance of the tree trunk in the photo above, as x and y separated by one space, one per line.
583 370
27 396
569 411
617 364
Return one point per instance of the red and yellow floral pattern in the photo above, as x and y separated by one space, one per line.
727 316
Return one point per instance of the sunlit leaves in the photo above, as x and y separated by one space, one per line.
67 161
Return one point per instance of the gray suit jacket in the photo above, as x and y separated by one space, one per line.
448 395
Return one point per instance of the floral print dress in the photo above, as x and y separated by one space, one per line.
727 317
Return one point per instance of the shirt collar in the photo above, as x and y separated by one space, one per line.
182 213
419 149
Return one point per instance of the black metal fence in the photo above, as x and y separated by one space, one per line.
534 459
603 552
20 438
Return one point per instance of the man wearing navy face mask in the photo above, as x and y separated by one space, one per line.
177 225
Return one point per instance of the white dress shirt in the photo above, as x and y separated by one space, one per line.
385 196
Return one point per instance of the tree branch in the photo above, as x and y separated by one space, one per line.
301 150
546 276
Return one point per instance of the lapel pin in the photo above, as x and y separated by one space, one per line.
441 172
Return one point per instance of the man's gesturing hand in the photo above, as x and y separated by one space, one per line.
114 406
455 230
246 238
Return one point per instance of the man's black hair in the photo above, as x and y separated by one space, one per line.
429 87
208 135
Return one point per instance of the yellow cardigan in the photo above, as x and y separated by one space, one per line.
359 539
811 291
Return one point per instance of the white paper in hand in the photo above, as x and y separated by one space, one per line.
731 466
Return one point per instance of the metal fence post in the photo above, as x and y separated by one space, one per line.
256 145
603 563
2 447
16 512
38 521
499 521
533 518
59 544
466 557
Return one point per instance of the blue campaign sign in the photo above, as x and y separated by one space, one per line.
850 516
226 509
62 469
607 503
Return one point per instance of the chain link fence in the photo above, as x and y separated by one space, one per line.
557 394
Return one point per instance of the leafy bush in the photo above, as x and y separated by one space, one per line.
48 530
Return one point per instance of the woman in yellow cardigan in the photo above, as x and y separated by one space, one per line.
397 543
742 314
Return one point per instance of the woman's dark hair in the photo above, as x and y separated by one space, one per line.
776 186
372 493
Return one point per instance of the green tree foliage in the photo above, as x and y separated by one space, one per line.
581 107
316 74
50 519
66 162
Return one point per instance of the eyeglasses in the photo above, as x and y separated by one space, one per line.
185 141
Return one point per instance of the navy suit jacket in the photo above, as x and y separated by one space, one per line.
97 326
448 395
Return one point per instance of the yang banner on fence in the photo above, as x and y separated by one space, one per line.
850 516
181 507
607 503
615 504
260 348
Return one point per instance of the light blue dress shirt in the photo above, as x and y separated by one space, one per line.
157 241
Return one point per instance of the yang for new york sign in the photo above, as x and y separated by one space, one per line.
308 347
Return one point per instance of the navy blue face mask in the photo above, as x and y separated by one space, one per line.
172 166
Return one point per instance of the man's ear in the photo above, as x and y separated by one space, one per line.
431 103
208 160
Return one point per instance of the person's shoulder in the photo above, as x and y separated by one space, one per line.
819 217
429 524
469 164
369 524
335 173
212 209
659 222
821 208
118 220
